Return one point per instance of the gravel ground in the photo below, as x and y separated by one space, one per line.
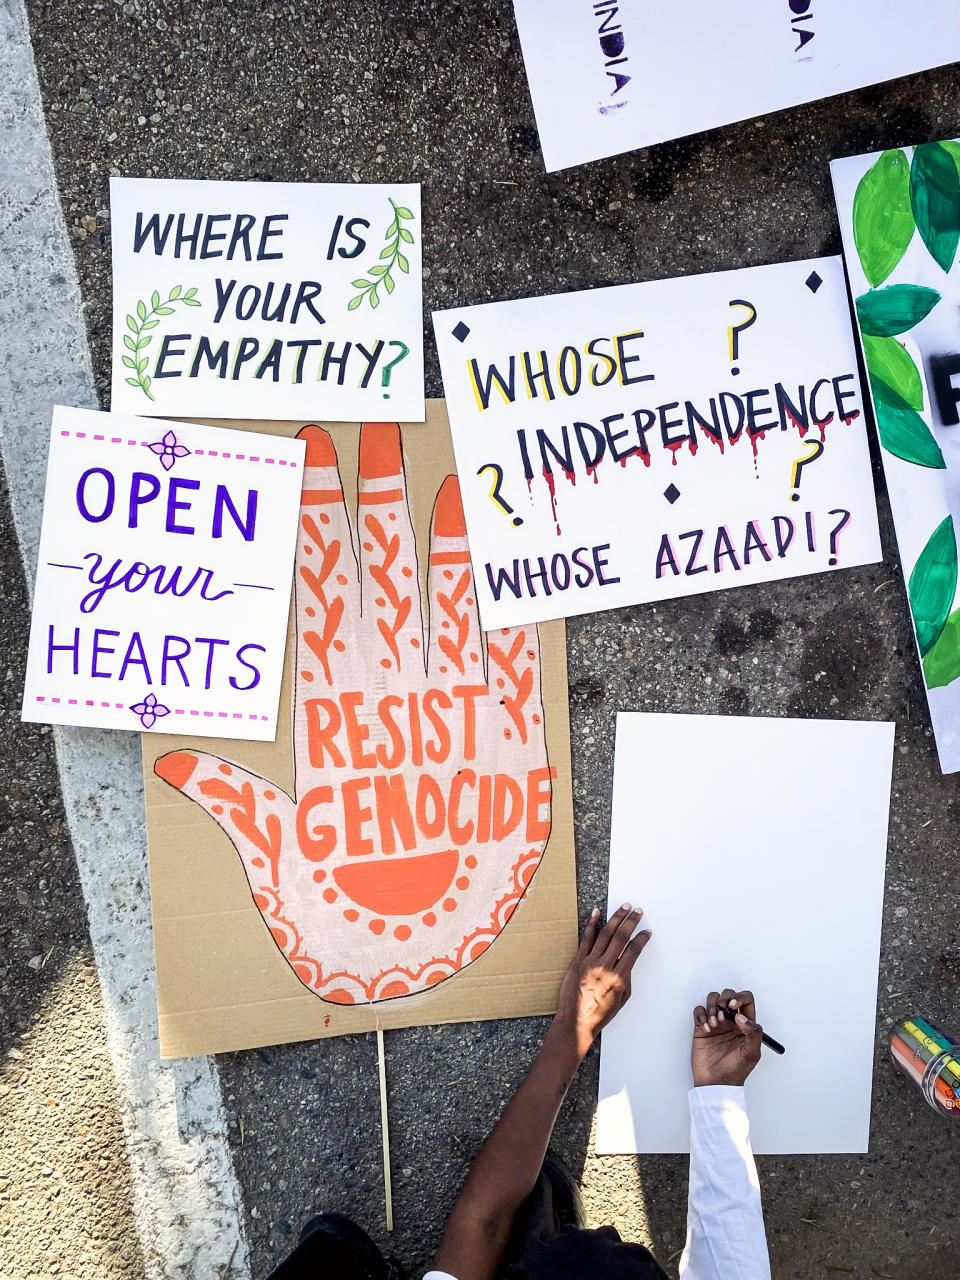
435 91
65 1204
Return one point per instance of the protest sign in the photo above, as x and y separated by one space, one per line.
900 217
163 582
402 854
267 299
653 440
607 77
743 887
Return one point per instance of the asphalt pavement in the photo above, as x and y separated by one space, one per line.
435 92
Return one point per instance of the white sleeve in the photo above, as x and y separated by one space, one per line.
439 1275
725 1235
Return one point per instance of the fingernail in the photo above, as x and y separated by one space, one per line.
320 450
380 451
448 521
733 1003
626 907
594 913
713 1021
176 768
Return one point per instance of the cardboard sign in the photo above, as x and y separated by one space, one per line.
403 853
268 299
655 440
607 77
761 888
163 581
900 216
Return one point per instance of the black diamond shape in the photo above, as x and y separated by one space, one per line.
461 331
671 493
813 282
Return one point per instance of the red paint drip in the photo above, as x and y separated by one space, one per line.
551 485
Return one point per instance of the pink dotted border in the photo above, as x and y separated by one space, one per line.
200 453
177 711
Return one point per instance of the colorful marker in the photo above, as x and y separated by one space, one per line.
931 1058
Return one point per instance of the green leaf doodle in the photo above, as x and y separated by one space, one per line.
883 222
889 361
894 309
935 197
389 258
142 338
901 429
941 664
933 585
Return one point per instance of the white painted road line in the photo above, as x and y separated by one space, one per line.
186 1196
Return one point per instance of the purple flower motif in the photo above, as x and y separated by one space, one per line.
150 710
168 450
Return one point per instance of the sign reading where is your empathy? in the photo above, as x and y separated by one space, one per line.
163 582
267 299
645 441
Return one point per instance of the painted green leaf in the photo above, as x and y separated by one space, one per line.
935 197
888 361
129 343
141 310
379 269
175 292
374 300
882 218
129 362
405 235
163 311
132 382
402 263
154 299
386 253
149 324
941 665
894 309
192 302
933 585
355 302
361 284
144 342
392 230
388 282
141 365
132 325
901 429
190 292
403 211
146 382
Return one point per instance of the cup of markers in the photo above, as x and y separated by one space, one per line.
931 1058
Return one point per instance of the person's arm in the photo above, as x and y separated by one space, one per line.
596 986
725 1233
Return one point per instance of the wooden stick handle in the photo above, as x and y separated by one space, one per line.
385 1131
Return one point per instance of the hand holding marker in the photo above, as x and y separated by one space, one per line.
725 1054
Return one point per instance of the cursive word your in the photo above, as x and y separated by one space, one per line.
138 575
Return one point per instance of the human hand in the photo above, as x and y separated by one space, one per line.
422 792
597 984
725 1052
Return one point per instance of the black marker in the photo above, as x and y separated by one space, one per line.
731 1016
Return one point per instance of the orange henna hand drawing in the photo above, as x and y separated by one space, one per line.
422 789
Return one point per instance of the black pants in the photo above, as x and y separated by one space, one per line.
541 1247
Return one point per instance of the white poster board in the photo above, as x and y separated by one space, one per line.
900 217
776 889
607 76
645 441
164 575
275 300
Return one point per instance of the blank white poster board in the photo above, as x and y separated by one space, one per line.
749 884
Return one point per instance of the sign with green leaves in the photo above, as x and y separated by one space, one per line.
900 218
272 300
